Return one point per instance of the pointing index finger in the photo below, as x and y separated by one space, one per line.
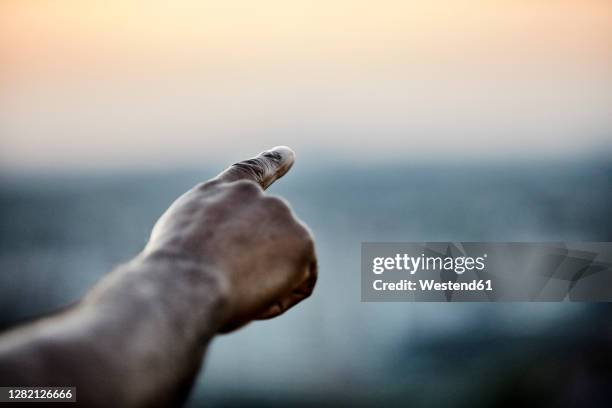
263 169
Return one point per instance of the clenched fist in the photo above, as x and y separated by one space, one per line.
222 255
261 255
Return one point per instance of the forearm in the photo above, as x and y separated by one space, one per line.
222 255
137 338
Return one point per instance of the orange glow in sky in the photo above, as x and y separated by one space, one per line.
129 82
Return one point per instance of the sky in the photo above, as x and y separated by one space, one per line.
150 84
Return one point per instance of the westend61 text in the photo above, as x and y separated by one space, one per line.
432 285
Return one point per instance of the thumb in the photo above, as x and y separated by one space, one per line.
264 169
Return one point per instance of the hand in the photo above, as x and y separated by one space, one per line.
261 256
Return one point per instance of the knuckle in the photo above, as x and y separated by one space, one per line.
245 187
313 275
304 233
278 205
314 271
307 288
306 239
298 231
207 185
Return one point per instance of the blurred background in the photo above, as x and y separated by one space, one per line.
458 120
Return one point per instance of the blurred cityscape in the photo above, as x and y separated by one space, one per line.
438 120
60 234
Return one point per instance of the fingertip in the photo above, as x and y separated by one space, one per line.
264 169
286 158
286 152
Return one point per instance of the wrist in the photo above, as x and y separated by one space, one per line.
188 283
166 287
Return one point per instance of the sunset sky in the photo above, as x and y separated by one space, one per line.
105 84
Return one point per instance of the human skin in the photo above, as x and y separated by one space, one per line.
222 255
